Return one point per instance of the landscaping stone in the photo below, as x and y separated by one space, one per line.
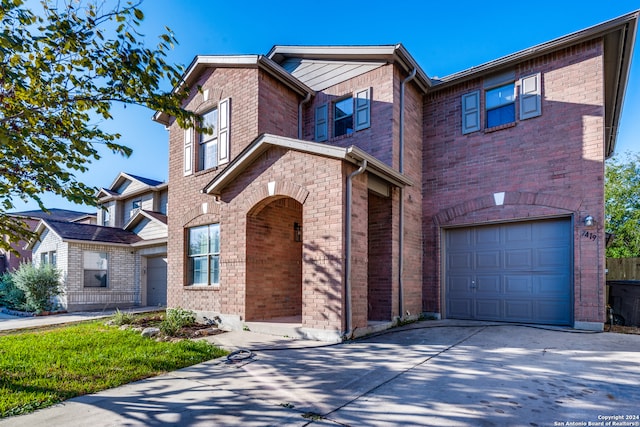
150 332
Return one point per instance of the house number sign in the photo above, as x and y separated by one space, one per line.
589 235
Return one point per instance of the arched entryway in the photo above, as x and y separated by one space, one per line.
274 261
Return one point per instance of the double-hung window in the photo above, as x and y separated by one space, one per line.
50 257
204 255
501 93
212 139
343 117
500 103
348 115
208 148
96 268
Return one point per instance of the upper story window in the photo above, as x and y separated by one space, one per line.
343 117
208 149
502 94
106 217
213 145
136 205
348 115
500 103
50 257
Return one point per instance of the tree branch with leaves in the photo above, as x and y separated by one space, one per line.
622 205
63 69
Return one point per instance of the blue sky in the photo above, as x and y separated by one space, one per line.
443 37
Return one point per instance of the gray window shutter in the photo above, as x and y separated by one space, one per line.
224 116
471 112
188 151
362 109
530 96
322 123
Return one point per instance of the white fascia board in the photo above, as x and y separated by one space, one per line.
379 168
38 231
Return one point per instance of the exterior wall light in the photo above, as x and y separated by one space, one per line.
588 221
297 232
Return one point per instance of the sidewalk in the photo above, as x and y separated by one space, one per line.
10 323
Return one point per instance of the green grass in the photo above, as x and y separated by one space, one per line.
41 368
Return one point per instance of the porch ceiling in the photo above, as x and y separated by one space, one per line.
261 144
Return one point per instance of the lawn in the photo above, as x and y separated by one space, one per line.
41 368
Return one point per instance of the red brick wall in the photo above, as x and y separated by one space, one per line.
274 261
376 140
380 269
551 165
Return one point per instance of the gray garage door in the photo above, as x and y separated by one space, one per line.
516 272
157 281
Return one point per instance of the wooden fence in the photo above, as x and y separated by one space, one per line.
623 269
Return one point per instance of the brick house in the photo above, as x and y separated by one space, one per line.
341 189
11 260
121 260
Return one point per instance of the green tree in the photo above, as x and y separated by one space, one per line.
63 68
622 205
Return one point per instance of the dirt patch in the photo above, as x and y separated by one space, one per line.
197 330
635 330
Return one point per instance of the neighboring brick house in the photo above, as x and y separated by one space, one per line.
11 260
122 261
343 189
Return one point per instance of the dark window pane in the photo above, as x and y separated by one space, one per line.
502 115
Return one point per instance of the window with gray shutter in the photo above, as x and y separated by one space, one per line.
322 127
471 112
362 109
530 96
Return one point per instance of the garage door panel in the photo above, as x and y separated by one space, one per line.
552 284
552 257
514 235
461 260
460 308
459 284
488 309
488 285
512 272
517 259
489 235
518 310
547 311
459 239
518 285
488 259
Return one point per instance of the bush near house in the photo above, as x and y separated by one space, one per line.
10 295
39 284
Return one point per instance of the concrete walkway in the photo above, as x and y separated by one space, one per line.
9 322
441 373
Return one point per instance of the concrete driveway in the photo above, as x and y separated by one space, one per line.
439 373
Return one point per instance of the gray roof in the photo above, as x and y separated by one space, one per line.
90 232
53 214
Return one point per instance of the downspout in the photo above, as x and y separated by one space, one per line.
304 101
401 202
347 248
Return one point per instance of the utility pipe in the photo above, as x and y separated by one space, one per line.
410 77
347 247
304 101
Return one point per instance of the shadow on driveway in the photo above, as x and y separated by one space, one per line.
429 373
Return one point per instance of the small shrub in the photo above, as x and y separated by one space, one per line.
40 285
175 319
10 295
122 318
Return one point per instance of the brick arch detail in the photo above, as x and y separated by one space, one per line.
264 194
570 204
211 213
